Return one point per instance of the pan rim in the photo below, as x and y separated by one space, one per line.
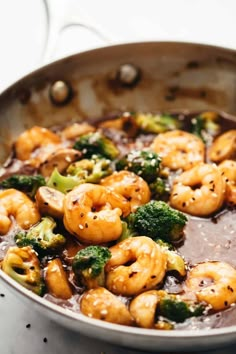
110 47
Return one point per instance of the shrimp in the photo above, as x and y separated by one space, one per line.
131 186
179 149
199 191
75 130
17 204
31 140
92 213
228 171
147 268
213 283
143 308
224 147
102 304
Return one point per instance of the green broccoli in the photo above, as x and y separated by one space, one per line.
175 309
127 231
174 260
83 171
41 237
62 183
24 183
157 123
90 171
204 125
23 266
89 264
159 188
144 163
96 144
157 220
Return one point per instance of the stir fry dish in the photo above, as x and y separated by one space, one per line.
129 219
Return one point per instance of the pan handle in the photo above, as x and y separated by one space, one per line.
62 14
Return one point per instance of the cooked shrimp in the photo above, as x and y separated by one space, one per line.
33 139
92 213
147 268
17 204
228 170
131 186
199 191
101 304
75 130
143 308
214 283
179 149
224 147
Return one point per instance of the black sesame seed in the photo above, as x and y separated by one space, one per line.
2 295
45 340
86 225
45 203
28 325
226 303
132 274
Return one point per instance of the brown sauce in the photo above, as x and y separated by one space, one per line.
212 238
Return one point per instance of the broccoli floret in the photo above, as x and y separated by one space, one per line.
89 263
23 266
41 237
177 310
127 232
159 188
24 183
157 123
90 171
205 124
157 220
62 183
84 171
144 163
96 144
174 260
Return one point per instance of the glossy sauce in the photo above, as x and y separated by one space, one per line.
212 238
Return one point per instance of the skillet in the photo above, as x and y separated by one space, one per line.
170 77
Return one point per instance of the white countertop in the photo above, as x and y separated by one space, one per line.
23 28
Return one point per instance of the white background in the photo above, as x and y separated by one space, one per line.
23 33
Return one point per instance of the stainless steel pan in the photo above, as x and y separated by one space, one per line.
171 76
